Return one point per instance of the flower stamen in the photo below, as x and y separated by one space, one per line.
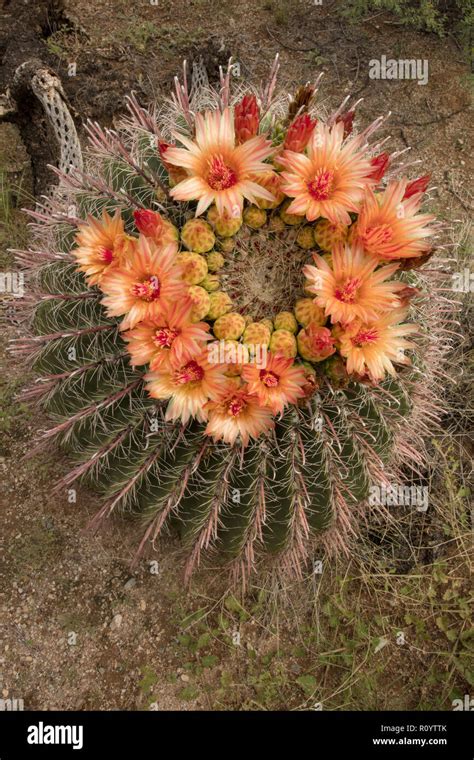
321 186
347 293
220 176
192 372
165 336
106 255
147 290
374 237
236 406
269 378
364 337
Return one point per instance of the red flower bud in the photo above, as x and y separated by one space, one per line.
347 119
149 223
417 186
246 118
380 164
176 173
418 261
406 294
162 148
299 133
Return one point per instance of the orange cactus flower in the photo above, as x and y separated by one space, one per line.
175 174
276 385
219 171
389 226
100 244
237 415
352 287
143 284
372 347
330 180
171 338
189 387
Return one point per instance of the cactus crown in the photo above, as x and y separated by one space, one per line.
217 320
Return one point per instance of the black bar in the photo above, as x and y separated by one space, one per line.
135 734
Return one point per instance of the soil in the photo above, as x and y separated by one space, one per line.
79 630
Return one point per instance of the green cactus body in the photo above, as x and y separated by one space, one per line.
243 500
301 454
213 494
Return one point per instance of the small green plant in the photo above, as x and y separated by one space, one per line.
169 37
57 45
65 43
148 681
140 35
13 233
437 16
281 11
11 409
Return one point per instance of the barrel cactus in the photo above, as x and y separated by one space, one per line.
224 322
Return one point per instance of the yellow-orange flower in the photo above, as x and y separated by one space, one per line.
143 284
171 338
351 288
189 387
279 383
372 347
330 180
219 171
237 414
100 244
390 227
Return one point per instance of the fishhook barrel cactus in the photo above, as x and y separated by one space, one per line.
229 320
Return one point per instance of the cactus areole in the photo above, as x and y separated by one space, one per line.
224 326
